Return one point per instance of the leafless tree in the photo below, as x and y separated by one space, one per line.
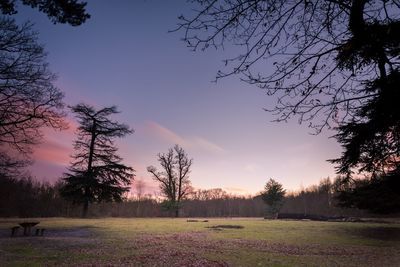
139 186
174 179
29 100
11 167
314 56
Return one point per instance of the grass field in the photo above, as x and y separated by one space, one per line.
176 242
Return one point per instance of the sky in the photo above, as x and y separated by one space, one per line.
124 55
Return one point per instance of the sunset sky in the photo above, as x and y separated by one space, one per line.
125 56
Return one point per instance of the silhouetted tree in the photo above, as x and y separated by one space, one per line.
333 60
11 166
139 186
22 196
96 173
379 194
273 196
59 11
316 52
174 179
28 99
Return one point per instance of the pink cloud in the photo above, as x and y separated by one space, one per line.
164 133
56 146
53 152
206 145
71 130
171 137
72 125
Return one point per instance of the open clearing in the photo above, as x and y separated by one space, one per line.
176 242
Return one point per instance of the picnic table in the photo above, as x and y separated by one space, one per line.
28 227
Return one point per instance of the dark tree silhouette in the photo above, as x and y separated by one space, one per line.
380 194
174 179
273 196
59 11
11 166
331 63
312 55
96 173
28 99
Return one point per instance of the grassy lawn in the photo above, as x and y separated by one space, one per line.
176 242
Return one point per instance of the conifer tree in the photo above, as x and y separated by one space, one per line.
96 173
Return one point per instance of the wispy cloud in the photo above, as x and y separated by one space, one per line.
207 145
56 147
53 152
250 167
236 190
164 133
170 136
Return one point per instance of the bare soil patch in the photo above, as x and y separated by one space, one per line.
191 249
226 226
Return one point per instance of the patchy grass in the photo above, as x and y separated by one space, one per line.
176 242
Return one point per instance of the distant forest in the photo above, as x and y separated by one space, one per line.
26 197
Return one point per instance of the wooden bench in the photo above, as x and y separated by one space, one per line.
14 231
27 231
27 227
40 231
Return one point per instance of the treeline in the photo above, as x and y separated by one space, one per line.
25 197
318 200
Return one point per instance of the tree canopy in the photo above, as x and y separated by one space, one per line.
96 173
29 100
273 195
314 56
379 194
72 12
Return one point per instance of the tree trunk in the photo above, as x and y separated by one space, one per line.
138 208
85 209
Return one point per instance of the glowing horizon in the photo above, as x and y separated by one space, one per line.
124 56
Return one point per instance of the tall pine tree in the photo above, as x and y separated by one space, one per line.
96 173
